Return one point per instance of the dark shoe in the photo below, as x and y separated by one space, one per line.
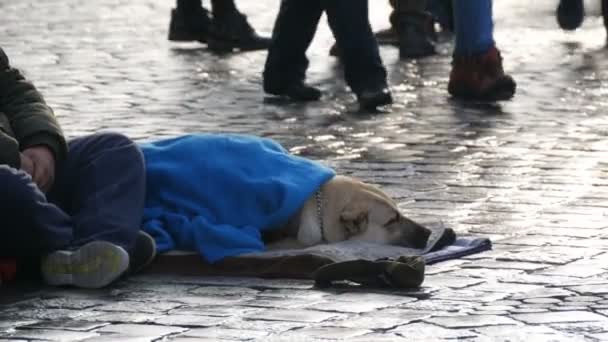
370 99
402 273
189 26
570 14
143 253
416 35
93 265
480 77
233 31
299 92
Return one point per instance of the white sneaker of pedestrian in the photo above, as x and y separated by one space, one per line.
93 265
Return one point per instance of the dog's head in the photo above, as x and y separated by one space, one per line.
358 211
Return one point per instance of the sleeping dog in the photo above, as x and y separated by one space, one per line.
224 195
348 209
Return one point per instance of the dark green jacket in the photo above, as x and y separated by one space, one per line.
25 119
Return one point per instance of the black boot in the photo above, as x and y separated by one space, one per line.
570 14
232 31
416 35
374 97
189 24
299 92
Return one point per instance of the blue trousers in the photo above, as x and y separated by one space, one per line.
474 26
294 29
98 194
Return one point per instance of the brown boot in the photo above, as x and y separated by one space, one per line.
480 77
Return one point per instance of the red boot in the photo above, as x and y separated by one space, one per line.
8 270
480 77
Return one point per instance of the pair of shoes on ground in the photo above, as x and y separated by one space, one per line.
97 263
223 34
369 99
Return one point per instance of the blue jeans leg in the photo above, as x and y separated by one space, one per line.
101 186
474 26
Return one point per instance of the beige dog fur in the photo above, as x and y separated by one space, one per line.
350 210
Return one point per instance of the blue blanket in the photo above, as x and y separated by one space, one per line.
214 194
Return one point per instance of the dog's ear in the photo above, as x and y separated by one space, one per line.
354 217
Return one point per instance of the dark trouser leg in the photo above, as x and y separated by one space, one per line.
350 25
293 32
188 5
30 226
605 13
102 186
223 7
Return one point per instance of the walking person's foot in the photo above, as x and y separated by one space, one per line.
570 14
373 97
94 265
143 253
416 36
298 92
480 77
232 31
190 25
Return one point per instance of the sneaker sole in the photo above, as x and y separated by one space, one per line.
93 265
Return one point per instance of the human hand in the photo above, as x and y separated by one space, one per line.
41 166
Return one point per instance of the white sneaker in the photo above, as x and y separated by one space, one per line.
93 265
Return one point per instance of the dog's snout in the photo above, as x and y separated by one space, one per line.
420 237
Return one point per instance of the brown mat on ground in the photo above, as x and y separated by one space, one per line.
300 263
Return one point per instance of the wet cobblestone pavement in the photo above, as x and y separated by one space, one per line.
530 173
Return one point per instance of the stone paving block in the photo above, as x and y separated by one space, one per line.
429 332
65 325
451 281
139 307
599 289
274 327
214 311
141 330
514 265
471 321
387 319
122 317
542 300
117 337
354 307
324 333
297 315
559 317
189 320
50 335
582 328
225 334
549 292
525 333
284 303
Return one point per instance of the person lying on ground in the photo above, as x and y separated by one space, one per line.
75 206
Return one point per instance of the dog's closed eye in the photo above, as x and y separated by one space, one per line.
393 219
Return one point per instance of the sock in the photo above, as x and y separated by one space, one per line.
188 5
474 26
222 7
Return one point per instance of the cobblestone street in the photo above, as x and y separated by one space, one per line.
530 173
